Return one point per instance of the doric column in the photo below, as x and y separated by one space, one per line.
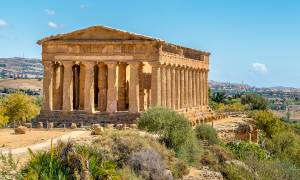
68 86
102 84
122 87
134 87
194 88
81 86
141 87
47 86
89 105
202 87
186 87
182 89
197 88
57 86
163 86
177 88
173 87
169 88
155 85
190 100
112 91
206 87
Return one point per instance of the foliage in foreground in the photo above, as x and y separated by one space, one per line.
206 132
67 161
174 130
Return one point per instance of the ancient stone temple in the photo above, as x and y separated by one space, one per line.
100 74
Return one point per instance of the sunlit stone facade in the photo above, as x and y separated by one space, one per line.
100 74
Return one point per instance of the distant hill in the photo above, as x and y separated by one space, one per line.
18 68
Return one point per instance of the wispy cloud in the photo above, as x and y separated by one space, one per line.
3 23
50 12
54 25
260 67
83 6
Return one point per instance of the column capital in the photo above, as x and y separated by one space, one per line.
89 63
134 63
47 63
155 64
67 63
110 63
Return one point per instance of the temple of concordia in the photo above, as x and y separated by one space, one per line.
104 75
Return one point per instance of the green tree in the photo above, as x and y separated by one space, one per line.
254 101
19 107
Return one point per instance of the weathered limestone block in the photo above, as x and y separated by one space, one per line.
40 125
50 125
98 130
73 126
20 130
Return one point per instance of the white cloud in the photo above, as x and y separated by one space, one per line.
50 12
54 25
3 23
259 67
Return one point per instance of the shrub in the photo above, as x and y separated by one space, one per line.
244 149
8 166
206 132
67 161
174 129
268 122
149 165
190 151
19 107
179 169
254 101
235 172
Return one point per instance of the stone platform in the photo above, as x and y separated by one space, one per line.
60 118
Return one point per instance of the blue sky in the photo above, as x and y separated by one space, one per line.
254 41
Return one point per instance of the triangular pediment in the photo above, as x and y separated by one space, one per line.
97 33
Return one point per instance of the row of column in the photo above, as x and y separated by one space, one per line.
110 89
179 87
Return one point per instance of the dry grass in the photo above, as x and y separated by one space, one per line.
21 83
10 140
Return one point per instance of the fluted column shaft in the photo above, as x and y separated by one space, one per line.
156 85
194 88
134 87
190 93
112 91
48 86
197 88
206 87
68 86
173 88
89 94
202 87
102 84
182 89
169 88
122 87
186 87
141 87
57 87
163 86
177 88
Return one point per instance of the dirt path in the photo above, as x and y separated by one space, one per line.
46 144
